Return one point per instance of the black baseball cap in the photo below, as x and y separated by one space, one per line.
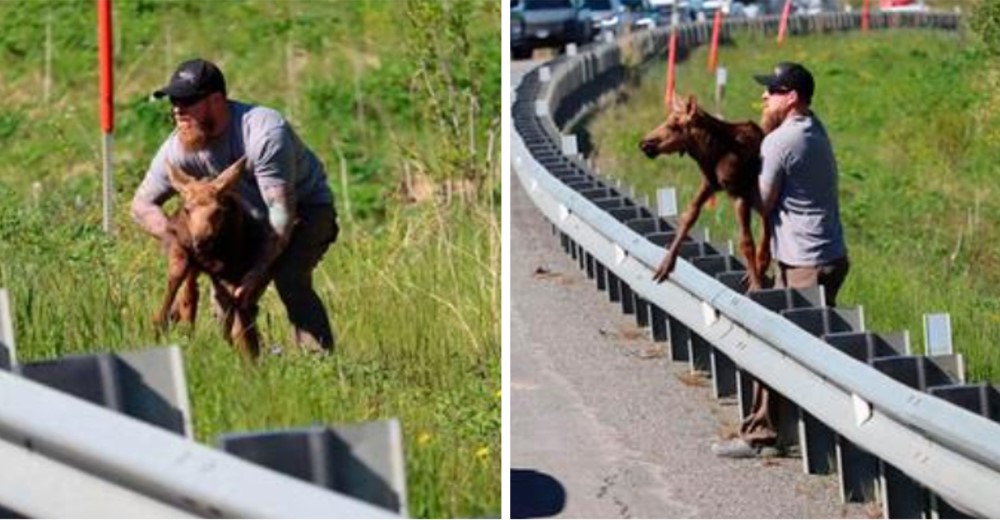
789 76
194 79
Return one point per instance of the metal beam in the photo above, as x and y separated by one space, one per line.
156 463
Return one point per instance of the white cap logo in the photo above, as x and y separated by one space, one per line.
186 75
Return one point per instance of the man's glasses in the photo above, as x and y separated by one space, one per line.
186 102
778 90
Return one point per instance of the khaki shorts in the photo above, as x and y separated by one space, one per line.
831 276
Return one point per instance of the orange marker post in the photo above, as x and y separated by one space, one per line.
668 96
713 53
783 25
864 16
107 97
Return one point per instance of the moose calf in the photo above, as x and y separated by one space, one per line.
729 157
213 234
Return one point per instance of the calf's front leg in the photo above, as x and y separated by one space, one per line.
178 269
687 220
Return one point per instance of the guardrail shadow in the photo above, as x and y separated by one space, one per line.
534 494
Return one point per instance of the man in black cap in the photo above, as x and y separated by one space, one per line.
287 188
798 189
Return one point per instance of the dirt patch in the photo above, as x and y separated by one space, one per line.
543 273
693 379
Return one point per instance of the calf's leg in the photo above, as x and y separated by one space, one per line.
178 269
688 219
743 207
185 308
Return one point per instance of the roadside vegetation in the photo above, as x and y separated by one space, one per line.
913 118
401 100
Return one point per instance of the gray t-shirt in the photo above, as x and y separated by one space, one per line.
275 156
797 159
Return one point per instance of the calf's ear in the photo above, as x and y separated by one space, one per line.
692 105
677 104
231 175
178 178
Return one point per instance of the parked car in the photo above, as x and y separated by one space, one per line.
667 8
902 6
608 16
551 23
520 49
643 14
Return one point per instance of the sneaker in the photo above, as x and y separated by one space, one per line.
740 449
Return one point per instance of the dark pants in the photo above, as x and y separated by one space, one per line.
758 428
316 230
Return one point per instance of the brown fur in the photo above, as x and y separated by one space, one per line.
729 157
212 234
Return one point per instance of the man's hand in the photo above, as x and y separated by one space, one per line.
252 284
255 281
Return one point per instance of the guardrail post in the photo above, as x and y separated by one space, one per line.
544 74
858 470
680 336
904 497
600 274
937 334
614 287
569 146
628 298
818 441
149 385
541 108
658 324
981 399
666 202
641 312
8 352
361 460
723 374
699 354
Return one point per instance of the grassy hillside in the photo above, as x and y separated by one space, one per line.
384 92
913 122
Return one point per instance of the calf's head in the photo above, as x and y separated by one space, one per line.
673 136
204 201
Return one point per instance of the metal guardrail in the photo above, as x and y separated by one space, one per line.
107 435
868 409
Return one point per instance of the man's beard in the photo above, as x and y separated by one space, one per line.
196 136
771 119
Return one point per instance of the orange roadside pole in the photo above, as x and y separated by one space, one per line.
864 16
783 25
713 53
668 96
107 106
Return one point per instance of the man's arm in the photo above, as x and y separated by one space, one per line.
274 170
769 183
151 194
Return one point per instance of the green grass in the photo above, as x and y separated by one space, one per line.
913 118
413 290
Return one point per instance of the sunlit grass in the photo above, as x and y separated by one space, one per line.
415 304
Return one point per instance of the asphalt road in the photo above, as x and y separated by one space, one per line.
604 425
